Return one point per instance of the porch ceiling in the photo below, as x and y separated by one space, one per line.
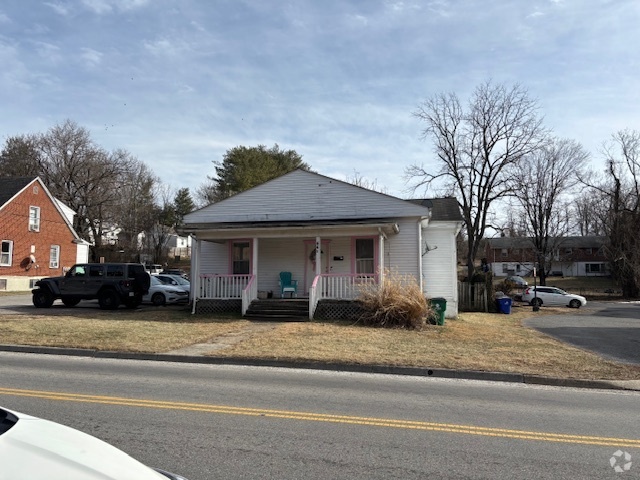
291 229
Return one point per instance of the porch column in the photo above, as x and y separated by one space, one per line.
318 256
254 262
195 273
381 237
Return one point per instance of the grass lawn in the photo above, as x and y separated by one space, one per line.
476 341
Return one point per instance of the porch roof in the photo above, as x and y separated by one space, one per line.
280 228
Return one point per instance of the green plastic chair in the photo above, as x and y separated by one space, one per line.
287 284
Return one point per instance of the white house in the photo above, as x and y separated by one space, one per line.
330 235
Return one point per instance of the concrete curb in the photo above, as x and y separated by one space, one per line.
385 369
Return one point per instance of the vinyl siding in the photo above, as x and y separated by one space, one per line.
439 266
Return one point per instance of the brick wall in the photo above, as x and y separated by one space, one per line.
14 225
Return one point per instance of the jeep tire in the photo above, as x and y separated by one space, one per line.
108 299
42 298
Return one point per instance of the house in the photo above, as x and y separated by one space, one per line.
36 234
331 235
571 256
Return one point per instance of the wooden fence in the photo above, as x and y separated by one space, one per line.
473 297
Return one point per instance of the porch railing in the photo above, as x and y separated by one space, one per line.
337 286
225 287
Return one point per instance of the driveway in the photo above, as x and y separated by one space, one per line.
608 329
15 303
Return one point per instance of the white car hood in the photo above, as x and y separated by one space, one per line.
39 449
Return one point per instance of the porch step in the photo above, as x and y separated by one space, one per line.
282 310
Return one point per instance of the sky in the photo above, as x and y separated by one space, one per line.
178 83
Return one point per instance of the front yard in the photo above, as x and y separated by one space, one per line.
476 341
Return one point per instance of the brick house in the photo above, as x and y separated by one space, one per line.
37 238
571 256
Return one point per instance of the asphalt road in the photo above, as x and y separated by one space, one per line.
606 328
209 422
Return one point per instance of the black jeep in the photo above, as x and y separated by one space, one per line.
111 283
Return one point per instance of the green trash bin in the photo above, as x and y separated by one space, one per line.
439 306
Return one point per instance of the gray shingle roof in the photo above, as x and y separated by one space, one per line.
442 209
9 186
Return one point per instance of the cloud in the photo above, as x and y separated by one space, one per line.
4 18
102 7
166 47
91 57
59 8
98 6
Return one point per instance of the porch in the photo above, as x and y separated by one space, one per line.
334 293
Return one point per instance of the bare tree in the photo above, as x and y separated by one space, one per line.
544 187
360 181
622 187
591 208
20 157
136 209
478 149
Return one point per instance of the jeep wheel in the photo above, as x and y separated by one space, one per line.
70 301
109 300
158 299
42 298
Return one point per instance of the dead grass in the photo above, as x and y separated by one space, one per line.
151 331
476 341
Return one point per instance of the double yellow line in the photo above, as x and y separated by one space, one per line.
320 417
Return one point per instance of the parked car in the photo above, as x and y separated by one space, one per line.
552 296
517 280
174 280
111 283
32 447
175 271
161 294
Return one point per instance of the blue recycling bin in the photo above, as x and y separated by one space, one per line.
504 305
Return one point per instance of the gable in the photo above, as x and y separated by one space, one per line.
305 196
13 189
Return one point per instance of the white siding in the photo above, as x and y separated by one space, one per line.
82 254
439 266
401 250
301 195
214 258
281 255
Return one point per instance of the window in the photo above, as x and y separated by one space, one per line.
78 271
241 257
96 270
589 251
505 252
116 271
54 256
6 253
365 255
568 251
34 219
594 268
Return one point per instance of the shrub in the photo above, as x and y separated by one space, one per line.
397 303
